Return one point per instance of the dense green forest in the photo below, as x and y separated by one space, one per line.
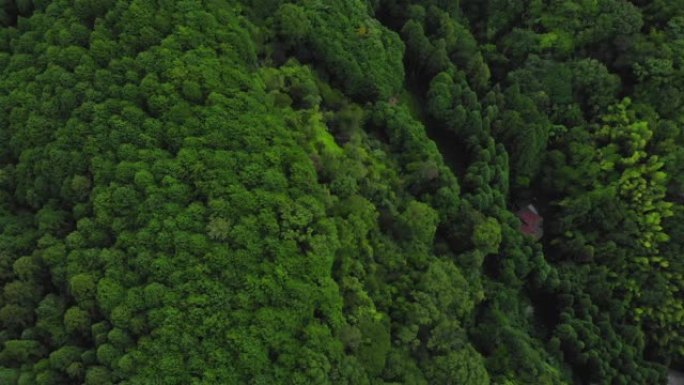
328 192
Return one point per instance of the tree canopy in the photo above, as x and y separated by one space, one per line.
325 192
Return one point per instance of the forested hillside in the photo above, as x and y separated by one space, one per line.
341 192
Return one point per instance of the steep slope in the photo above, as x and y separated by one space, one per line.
245 192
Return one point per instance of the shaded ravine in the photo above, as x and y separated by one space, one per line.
675 377
452 150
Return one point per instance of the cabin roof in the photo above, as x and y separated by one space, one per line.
529 218
531 221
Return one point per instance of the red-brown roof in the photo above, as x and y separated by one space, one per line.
531 222
529 218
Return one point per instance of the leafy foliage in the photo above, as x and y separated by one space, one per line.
280 192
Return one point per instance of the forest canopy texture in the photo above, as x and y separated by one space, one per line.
329 192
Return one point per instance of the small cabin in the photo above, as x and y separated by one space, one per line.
532 223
